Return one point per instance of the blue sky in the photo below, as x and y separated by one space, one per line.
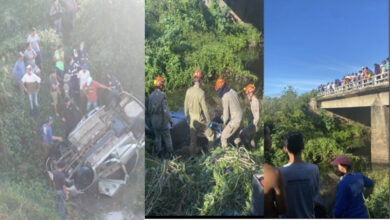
309 42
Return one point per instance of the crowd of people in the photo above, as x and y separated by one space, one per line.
72 89
197 113
293 190
363 78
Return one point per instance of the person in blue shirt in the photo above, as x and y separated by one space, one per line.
350 190
19 70
48 137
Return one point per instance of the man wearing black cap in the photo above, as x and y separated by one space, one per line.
70 115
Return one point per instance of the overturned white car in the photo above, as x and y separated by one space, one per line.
104 147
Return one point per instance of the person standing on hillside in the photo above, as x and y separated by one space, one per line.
48 137
301 179
90 90
232 112
31 85
70 115
19 70
62 191
29 55
60 61
195 109
116 88
160 117
33 39
350 190
54 90
82 52
248 133
83 76
56 16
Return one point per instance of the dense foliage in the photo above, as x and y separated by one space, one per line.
24 187
183 35
325 137
215 183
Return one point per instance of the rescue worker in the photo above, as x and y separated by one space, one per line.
232 112
196 111
247 134
160 117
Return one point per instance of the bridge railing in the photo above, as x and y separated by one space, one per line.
372 81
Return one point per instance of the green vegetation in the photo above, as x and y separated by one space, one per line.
183 35
25 191
215 183
325 137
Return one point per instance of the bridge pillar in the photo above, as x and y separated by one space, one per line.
379 134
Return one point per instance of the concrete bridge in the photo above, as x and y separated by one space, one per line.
369 106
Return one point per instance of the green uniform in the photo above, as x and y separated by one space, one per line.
232 115
160 117
195 109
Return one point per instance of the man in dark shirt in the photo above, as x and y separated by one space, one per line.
70 115
116 88
62 193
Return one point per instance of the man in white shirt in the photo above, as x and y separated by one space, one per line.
31 85
83 76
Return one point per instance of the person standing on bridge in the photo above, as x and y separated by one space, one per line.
383 66
248 133
157 108
195 109
350 190
232 112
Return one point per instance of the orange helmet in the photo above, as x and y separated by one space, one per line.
158 82
197 74
220 82
250 88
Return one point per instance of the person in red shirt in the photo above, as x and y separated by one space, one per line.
90 90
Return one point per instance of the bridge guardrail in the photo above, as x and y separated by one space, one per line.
374 80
